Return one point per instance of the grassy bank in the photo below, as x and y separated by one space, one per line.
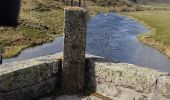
41 20
159 23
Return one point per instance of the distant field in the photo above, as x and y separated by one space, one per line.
156 6
159 22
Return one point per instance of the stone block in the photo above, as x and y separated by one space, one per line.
17 75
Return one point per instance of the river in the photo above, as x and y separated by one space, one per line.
111 36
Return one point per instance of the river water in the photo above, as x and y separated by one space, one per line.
110 36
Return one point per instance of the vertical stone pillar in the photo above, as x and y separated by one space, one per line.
0 56
74 50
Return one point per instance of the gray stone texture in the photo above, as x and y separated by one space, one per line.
74 50
31 92
121 81
29 79
114 81
163 86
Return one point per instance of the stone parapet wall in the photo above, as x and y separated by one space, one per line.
121 81
29 79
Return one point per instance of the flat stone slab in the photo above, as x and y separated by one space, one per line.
76 97
28 72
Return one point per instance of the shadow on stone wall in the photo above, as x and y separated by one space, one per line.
90 74
90 80
122 81
9 11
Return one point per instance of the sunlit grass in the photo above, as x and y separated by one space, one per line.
157 6
159 22
13 40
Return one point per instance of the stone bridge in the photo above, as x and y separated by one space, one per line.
71 72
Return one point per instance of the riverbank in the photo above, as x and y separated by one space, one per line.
41 21
158 23
114 39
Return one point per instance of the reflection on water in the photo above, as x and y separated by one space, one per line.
110 36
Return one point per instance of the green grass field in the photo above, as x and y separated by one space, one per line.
40 22
159 23
155 6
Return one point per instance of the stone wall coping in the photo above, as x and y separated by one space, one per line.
18 75
14 66
107 76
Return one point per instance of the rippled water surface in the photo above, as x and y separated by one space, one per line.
110 36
